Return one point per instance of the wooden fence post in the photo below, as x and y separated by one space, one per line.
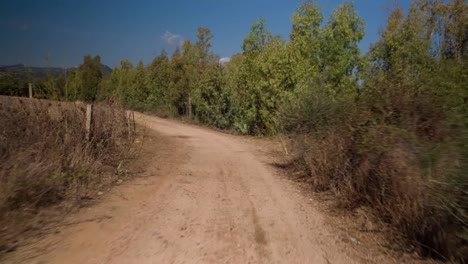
133 120
128 118
131 123
30 90
89 115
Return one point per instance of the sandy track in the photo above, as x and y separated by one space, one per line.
208 198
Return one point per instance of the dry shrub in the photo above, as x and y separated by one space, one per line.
45 154
411 184
403 152
326 160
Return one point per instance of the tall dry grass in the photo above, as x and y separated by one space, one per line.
45 156
401 149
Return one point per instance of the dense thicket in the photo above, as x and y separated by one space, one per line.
387 129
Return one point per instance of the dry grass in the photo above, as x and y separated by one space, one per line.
389 171
45 155
401 151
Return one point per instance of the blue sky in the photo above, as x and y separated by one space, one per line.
65 30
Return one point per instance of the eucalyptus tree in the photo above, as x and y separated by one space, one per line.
158 82
340 55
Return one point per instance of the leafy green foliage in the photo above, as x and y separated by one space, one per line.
89 74
257 38
158 83
212 102
340 56
11 84
402 134
203 44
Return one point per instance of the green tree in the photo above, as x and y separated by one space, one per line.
73 85
178 82
203 44
139 91
258 81
158 82
257 38
190 77
306 29
122 79
10 85
404 49
305 41
454 21
339 54
212 102
90 75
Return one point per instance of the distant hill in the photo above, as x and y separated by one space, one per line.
38 72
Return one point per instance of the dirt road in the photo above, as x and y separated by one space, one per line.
206 197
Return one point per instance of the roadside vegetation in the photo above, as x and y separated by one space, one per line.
387 129
45 151
47 158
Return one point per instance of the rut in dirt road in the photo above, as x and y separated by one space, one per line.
211 201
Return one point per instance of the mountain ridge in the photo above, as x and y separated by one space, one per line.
44 71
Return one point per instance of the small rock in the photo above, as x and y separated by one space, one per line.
354 240
100 193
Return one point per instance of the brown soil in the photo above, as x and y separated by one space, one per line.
204 197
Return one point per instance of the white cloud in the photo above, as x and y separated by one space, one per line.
225 60
172 39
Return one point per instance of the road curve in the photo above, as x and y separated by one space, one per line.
208 197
